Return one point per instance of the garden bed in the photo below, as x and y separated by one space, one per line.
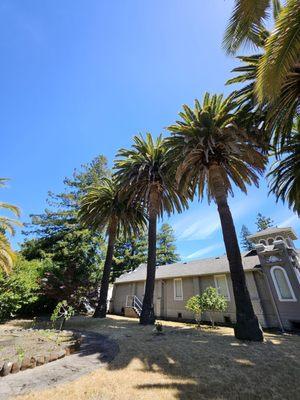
21 349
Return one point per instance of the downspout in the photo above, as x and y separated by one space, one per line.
273 300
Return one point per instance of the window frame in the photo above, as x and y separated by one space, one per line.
281 299
227 287
174 283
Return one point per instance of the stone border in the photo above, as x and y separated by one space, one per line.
29 362
95 352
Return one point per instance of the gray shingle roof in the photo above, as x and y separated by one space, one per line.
272 231
208 266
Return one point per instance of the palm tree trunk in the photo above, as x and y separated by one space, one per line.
100 310
147 315
247 326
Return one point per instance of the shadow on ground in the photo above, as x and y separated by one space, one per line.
204 364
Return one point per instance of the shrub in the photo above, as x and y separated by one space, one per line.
62 311
211 301
194 305
21 288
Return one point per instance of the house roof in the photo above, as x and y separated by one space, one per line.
274 231
208 266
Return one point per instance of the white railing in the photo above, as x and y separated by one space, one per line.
134 302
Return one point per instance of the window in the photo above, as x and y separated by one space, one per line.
282 284
222 286
262 241
270 241
279 238
178 294
298 274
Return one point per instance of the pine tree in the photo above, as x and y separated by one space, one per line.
74 252
128 255
245 243
263 222
166 249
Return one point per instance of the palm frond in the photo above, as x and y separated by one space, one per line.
246 24
282 52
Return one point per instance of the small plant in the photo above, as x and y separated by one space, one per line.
62 311
194 305
20 353
211 301
158 328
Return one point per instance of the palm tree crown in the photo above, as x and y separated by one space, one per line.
285 173
145 172
7 255
211 135
104 208
279 66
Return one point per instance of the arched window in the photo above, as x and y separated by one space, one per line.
262 241
279 238
270 241
282 284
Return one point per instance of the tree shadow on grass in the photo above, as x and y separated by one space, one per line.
208 364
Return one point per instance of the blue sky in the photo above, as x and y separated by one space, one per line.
80 78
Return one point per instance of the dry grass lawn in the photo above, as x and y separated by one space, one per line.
185 363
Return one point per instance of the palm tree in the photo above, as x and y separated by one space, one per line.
102 207
145 174
213 151
7 255
279 67
285 173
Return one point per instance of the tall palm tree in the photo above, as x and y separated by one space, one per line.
145 174
7 255
102 207
279 67
285 172
214 151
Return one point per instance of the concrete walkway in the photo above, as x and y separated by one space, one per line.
96 350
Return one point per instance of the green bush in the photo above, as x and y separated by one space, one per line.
20 289
194 305
210 300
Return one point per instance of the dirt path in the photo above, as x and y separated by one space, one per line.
95 352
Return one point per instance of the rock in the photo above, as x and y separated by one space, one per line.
67 351
53 357
61 354
46 358
16 367
25 363
1 366
40 360
6 368
32 362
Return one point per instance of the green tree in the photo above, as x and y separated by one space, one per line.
213 150
102 207
263 222
245 243
211 301
74 252
20 290
145 174
166 249
194 305
129 253
285 172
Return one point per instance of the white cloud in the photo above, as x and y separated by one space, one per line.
291 221
203 223
205 250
